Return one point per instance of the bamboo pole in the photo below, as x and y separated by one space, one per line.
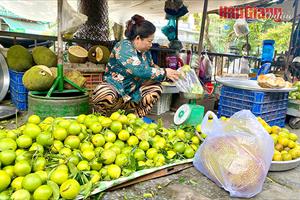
204 13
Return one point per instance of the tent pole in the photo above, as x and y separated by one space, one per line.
60 46
291 40
204 13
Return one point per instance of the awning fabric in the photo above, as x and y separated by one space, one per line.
26 27
119 10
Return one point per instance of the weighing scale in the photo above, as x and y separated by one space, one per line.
191 113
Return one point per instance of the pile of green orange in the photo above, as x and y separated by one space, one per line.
286 146
60 157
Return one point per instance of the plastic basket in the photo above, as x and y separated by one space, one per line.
19 93
162 105
270 106
92 79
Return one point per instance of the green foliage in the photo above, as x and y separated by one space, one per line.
221 39
281 34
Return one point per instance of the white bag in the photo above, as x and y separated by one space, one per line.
236 154
240 27
71 20
239 66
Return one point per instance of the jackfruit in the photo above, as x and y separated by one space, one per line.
38 78
19 58
44 56
98 54
73 75
77 54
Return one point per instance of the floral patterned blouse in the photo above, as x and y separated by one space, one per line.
127 69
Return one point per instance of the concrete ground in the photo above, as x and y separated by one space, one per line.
190 184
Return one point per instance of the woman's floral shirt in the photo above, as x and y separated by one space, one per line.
127 69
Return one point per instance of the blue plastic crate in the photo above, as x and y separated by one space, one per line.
16 76
20 105
19 87
18 92
252 106
253 96
270 106
20 96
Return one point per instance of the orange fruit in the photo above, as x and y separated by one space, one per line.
34 119
31 182
72 141
43 192
32 130
22 168
5 180
116 126
114 171
21 195
69 189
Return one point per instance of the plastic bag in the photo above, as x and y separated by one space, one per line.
240 27
236 154
188 82
205 69
71 19
239 66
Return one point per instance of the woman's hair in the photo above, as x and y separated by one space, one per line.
138 26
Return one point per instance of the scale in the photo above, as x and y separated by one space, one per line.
191 113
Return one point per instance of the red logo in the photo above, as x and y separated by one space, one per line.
249 12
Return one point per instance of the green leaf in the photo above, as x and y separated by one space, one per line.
86 189
55 189
73 169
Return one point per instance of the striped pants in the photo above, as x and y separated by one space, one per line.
106 100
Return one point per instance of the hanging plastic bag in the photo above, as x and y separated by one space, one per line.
241 27
205 68
71 20
170 29
236 154
188 81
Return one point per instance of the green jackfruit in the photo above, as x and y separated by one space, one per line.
77 54
19 58
99 54
38 78
44 56
73 75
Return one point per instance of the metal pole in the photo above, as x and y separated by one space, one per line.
291 38
60 70
204 13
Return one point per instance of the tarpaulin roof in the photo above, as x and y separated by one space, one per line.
24 26
119 10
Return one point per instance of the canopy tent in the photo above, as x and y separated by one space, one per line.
25 26
119 10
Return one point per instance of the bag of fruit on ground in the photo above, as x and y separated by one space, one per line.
236 155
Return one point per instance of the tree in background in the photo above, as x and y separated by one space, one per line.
220 34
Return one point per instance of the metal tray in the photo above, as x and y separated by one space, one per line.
278 166
4 77
7 111
249 85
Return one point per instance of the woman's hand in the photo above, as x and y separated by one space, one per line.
172 74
